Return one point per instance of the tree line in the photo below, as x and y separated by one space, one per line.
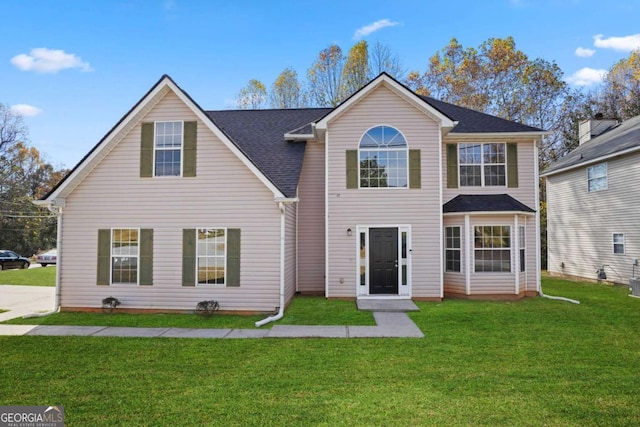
24 176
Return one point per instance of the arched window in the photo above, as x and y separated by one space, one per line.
383 158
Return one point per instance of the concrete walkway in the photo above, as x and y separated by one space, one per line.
391 322
23 300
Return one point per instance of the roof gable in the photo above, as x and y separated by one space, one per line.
130 119
619 140
396 87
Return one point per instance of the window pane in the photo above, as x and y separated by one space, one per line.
168 163
211 255
383 162
124 256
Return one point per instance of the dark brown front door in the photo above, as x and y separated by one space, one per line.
383 261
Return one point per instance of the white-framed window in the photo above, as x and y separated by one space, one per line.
452 249
522 245
383 157
125 255
168 143
597 177
482 165
492 248
618 243
211 255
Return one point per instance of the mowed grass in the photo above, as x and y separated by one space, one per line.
30 277
302 311
524 363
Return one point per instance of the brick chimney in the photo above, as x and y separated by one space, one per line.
590 128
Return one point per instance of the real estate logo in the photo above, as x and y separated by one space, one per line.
31 416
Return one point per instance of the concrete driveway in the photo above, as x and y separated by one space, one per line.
22 300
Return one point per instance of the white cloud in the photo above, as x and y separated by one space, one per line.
45 60
584 52
586 77
625 44
26 110
368 29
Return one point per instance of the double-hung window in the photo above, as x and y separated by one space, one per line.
383 158
211 256
482 164
597 177
168 148
618 243
452 249
125 254
492 248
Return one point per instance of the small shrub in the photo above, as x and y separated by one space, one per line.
110 303
207 308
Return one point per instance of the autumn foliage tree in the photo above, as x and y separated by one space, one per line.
252 96
24 177
286 91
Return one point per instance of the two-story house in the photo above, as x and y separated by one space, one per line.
388 195
593 201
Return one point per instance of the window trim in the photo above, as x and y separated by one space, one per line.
482 165
138 257
605 177
614 243
155 148
458 249
198 256
404 149
509 248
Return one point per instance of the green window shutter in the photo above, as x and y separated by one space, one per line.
104 257
415 172
190 145
233 257
146 257
146 151
452 165
189 257
352 169
512 165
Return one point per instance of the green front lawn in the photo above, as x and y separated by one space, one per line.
301 311
31 277
531 362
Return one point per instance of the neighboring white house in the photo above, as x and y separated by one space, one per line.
593 204
388 195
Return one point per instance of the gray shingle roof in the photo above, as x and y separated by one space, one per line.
471 121
623 137
484 203
260 136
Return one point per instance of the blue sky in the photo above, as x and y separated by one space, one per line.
73 68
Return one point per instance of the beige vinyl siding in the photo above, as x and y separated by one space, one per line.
527 185
419 208
311 231
223 194
290 252
581 224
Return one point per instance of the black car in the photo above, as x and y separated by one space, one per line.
10 259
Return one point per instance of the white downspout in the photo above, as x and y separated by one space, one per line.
280 313
56 307
538 245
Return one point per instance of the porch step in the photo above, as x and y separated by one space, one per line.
387 305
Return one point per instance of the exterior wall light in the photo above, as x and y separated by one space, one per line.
349 232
